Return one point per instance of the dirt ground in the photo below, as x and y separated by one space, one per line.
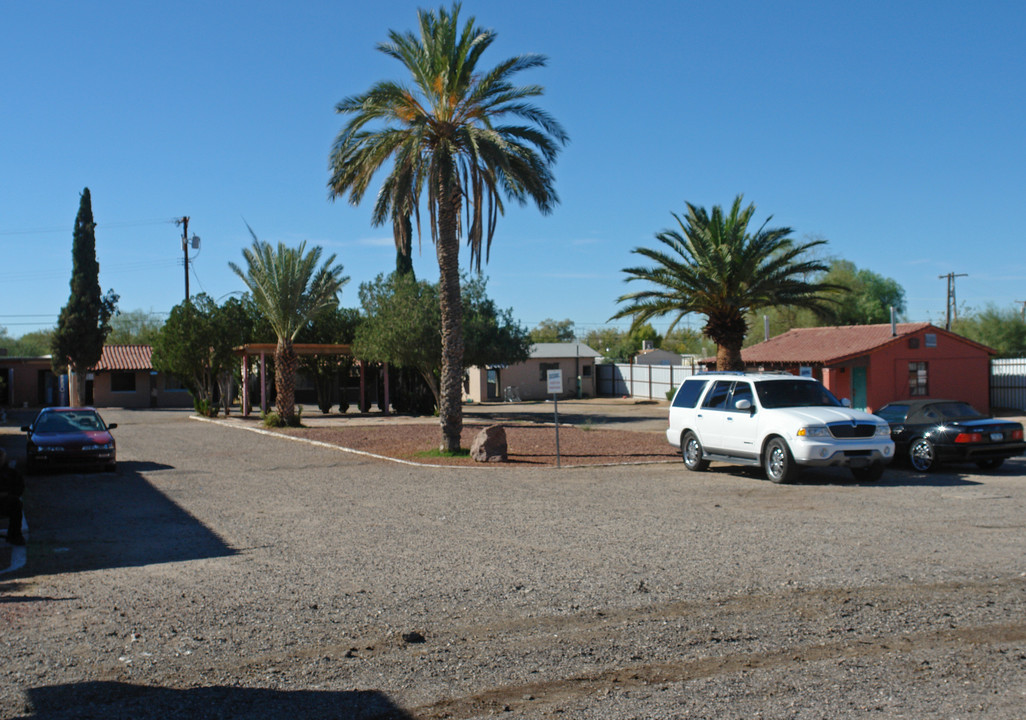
226 573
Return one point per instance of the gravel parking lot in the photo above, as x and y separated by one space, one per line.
221 573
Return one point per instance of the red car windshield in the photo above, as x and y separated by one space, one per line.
65 422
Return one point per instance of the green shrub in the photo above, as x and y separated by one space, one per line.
204 408
273 420
670 392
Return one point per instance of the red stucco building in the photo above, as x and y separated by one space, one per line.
872 365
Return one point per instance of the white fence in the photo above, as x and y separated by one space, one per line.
1008 383
639 381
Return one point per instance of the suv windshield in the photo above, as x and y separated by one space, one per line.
794 393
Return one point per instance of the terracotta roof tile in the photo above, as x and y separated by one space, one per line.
827 344
125 357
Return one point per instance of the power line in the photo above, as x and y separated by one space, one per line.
42 231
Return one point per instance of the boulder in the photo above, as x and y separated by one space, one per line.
489 445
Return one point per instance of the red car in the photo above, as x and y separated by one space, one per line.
64 437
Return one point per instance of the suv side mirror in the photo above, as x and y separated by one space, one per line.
743 404
846 402
111 426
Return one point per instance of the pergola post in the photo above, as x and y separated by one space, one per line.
245 385
264 349
263 382
363 386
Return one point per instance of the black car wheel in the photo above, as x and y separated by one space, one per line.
778 462
990 463
921 455
691 452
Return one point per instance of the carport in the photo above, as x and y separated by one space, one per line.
262 350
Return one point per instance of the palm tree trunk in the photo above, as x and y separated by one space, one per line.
450 409
285 363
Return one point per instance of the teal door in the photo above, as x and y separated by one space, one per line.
858 388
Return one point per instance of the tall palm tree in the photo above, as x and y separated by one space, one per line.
289 290
712 266
466 135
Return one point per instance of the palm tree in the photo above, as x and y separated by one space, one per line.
469 137
714 267
289 291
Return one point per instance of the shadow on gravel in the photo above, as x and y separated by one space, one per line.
100 520
139 702
892 477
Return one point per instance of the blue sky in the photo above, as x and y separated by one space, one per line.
893 130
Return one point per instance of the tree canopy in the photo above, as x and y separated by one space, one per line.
714 266
134 327
289 289
401 327
84 322
550 331
195 345
465 135
1002 330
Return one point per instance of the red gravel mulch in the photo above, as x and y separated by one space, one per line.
528 445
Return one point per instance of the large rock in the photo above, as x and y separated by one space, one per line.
490 445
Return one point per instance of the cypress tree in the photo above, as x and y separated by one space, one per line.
85 321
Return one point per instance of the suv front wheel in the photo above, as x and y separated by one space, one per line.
691 451
778 462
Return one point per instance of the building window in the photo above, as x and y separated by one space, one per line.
917 379
122 382
931 339
586 371
545 367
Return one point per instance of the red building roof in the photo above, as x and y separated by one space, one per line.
829 345
125 357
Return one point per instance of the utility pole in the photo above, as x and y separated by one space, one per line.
952 309
1023 303
184 222
195 242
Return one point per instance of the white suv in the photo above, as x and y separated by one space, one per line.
779 421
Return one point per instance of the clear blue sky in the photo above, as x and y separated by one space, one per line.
895 130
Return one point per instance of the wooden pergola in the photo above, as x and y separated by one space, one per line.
264 349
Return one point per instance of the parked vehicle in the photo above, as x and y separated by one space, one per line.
779 421
929 432
64 437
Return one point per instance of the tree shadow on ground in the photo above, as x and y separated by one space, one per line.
116 700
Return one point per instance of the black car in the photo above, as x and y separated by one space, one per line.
64 437
929 432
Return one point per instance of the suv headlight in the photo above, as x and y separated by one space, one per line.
814 431
883 431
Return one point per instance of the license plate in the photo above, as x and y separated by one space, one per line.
997 437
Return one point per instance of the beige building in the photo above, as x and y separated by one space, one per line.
529 380
124 377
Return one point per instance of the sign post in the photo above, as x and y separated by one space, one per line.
555 388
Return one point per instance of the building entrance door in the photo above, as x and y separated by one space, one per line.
858 388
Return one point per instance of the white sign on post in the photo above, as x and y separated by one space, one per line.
555 382
555 388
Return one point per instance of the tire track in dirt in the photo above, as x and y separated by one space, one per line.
553 693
